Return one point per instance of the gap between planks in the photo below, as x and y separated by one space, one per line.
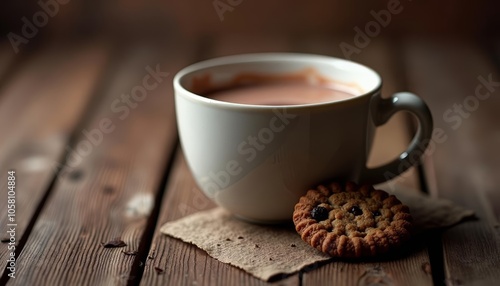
45 232
464 166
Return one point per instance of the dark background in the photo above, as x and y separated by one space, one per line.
155 20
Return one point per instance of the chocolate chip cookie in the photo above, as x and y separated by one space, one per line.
352 221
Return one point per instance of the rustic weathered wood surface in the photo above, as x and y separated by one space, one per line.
465 164
39 108
135 179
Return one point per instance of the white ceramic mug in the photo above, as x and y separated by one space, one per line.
299 146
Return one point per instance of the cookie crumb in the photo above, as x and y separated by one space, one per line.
115 242
159 270
130 252
76 175
426 267
152 255
108 190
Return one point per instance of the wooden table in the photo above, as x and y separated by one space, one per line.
71 195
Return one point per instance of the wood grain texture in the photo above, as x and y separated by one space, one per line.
109 192
7 57
390 140
39 107
182 263
465 162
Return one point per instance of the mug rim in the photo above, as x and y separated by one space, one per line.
267 57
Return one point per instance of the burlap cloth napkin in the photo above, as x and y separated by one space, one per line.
267 251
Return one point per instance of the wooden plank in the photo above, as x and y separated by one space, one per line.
39 107
185 264
465 163
111 192
390 140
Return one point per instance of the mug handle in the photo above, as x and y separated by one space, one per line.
381 110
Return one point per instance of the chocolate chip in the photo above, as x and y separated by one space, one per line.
116 242
293 245
355 210
240 237
256 246
5 239
376 213
319 213
228 239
